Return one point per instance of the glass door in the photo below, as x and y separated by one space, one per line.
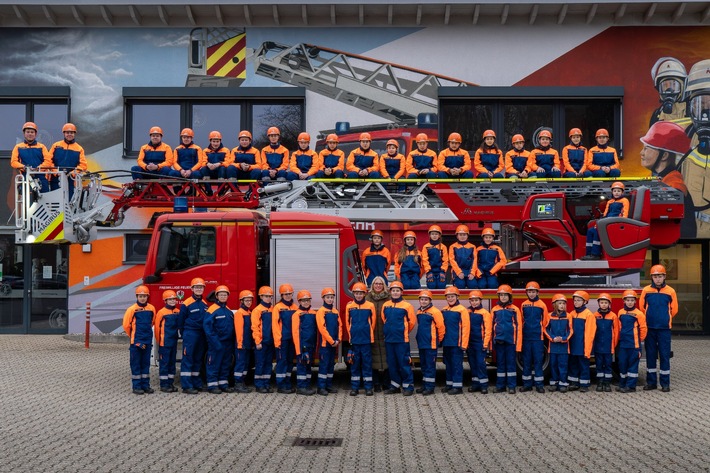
11 286
48 301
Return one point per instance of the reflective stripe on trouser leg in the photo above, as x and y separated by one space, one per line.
651 345
362 366
242 357
325 367
192 353
303 371
284 363
427 359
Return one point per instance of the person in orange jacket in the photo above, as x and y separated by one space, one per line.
421 162
376 259
331 334
138 324
219 331
247 159
517 160
535 319
632 332
155 159
603 160
67 155
581 343
392 163
166 333
360 321
605 340
558 331
305 162
507 339
263 340
462 257
31 154
617 206
544 159
305 338
244 345
274 157
188 159
435 259
490 259
575 157
430 334
192 316
488 160
282 315
454 162
218 161
399 320
455 343
408 263
363 162
479 342
660 303
331 159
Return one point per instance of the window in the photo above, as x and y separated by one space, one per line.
137 245
144 117
189 247
223 118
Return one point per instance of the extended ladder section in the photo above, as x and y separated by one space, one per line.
394 92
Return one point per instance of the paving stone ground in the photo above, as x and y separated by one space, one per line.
64 408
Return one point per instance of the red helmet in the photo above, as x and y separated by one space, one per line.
142 290
197 282
221 288
532 285
304 137
462 229
544 133
422 138
517 138
327 291
215 135
455 137
667 136
601 132
156 130
505 289
558 297
266 291
169 294
488 133
69 127
244 134
475 294
187 132
332 137
629 293
393 142
658 269
452 290
359 287
365 137
582 294
273 131
397 284
410 233
245 293
377 233
303 295
605 296
285 289
425 293
488 231
434 228
618 185
575 131
30 125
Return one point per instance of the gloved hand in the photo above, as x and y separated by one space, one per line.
305 358
429 277
142 346
442 277
350 357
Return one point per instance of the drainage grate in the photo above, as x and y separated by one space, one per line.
317 442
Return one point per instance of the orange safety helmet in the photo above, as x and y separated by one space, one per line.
505 289
410 233
454 137
244 134
266 291
273 131
488 133
558 297
215 135
332 137
245 293
422 138
605 296
197 282
285 289
426 293
169 294
377 233
359 287
575 131
517 138
156 130
221 288
142 291
618 185
544 133
452 290
601 132
629 293
434 228
488 231
69 127
462 229
393 142
658 269
187 132
582 294
532 285
304 137
365 137
327 291
30 125
475 294
397 284
303 295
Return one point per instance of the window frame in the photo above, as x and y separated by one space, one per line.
129 240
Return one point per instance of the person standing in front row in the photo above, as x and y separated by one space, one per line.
507 339
305 337
263 340
430 333
138 325
192 316
632 333
244 346
219 329
331 333
581 342
360 320
559 330
166 336
399 320
378 295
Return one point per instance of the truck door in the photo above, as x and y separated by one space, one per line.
309 262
